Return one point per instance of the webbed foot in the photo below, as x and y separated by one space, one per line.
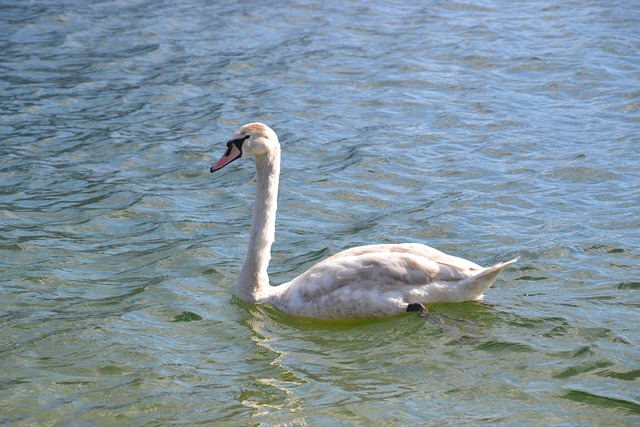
417 307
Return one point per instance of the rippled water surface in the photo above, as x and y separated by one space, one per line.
488 129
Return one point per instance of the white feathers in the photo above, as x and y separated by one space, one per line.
361 282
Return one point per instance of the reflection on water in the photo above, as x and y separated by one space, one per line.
486 131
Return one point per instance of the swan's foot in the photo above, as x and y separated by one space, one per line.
417 307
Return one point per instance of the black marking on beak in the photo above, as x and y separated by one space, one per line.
237 142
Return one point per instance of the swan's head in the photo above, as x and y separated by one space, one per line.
253 139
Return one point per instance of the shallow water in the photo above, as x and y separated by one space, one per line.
487 129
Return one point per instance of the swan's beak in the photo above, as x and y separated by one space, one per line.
229 156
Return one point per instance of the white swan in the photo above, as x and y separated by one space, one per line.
362 282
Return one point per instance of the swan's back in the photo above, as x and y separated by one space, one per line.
450 266
378 280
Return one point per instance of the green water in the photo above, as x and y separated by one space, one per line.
489 130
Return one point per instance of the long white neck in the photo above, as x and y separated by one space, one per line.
253 283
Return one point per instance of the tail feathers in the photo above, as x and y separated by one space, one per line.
476 285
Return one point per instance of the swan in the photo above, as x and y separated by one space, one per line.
362 282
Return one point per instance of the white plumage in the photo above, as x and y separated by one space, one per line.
362 282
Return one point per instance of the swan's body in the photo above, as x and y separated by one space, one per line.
361 282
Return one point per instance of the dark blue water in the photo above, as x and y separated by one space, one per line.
488 129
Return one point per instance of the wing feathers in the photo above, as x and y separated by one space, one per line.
387 267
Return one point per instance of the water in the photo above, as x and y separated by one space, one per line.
487 129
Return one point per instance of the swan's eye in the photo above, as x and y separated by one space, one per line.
237 142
